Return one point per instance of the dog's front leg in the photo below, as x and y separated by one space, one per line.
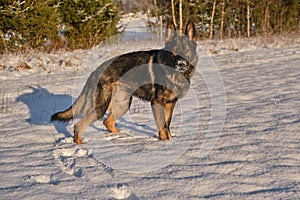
169 107
160 119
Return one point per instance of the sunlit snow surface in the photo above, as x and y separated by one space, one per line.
256 155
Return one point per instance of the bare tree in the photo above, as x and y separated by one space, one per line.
264 6
173 13
180 16
156 12
267 18
212 20
222 19
147 11
248 18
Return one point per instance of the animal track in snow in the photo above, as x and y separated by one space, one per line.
66 159
41 178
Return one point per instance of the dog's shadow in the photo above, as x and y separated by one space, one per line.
42 104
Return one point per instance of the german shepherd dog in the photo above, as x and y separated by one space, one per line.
158 76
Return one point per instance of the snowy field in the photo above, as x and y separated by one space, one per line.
253 154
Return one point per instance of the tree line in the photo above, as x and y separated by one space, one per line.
74 24
231 18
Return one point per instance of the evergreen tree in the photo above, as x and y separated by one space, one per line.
52 24
28 24
86 23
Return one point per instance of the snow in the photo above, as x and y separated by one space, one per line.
250 152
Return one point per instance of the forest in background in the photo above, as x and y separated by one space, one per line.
225 18
81 24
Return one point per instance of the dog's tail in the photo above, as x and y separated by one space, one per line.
72 112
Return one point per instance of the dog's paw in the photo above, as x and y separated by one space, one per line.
163 135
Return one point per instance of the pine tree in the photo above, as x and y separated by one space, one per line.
87 22
52 24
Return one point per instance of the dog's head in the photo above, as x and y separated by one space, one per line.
180 64
183 45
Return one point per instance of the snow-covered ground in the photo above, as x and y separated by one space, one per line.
256 154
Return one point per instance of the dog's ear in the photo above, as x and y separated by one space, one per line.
170 32
190 31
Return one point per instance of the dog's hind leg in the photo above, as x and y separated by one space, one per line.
119 105
80 126
110 123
